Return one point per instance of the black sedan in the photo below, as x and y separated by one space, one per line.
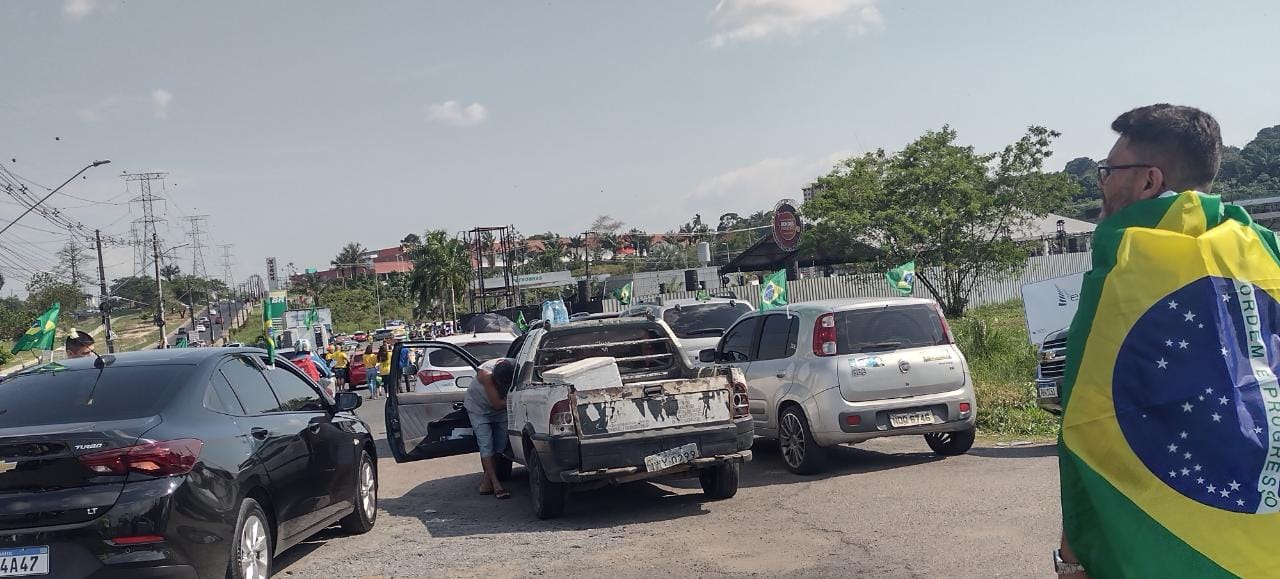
181 462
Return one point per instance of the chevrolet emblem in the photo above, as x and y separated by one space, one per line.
7 466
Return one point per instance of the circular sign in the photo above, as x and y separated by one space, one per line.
786 225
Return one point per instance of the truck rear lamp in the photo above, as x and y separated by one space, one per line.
824 335
561 418
740 407
853 420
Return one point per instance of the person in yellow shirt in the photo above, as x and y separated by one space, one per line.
371 370
338 361
384 365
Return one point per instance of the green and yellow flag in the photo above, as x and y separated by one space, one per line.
41 333
773 292
623 294
903 278
313 316
1170 446
521 324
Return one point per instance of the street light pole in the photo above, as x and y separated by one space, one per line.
55 190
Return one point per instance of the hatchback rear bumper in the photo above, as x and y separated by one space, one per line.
841 422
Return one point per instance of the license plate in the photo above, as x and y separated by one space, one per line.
669 458
24 561
905 419
1048 391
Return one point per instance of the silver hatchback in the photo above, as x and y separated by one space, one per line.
835 372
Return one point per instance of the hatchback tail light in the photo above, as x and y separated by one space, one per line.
946 328
561 418
430 376
824 335
164 458
741 405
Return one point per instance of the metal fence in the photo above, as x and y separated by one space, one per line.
993 290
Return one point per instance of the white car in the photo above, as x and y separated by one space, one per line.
832 372
697 324
201 328
440 369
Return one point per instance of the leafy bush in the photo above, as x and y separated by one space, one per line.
1003 363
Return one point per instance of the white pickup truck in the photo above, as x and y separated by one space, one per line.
660 417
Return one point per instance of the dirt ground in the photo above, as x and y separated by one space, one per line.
888 508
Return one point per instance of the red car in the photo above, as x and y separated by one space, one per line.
360 336
356 376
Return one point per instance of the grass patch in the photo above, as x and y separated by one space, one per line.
1003 363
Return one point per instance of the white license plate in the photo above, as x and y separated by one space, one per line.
905 419
24 561
1048 391
669 458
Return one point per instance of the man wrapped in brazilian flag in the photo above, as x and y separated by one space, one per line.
1170 445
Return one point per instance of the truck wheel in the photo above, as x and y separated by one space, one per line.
502 467
800 452
548 497
720 481
950 443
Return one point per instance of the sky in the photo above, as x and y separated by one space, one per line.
298 126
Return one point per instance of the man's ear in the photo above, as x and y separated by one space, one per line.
1155 183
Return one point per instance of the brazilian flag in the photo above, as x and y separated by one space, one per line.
773 292
623 294
41 333
903 278
521 324
1170 445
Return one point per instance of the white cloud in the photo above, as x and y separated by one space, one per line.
99 110
738 20
453 113
160 100
77 9
760 185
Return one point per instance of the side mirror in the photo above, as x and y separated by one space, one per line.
348 401
465 382
708 356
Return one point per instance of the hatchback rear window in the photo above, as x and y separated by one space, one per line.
483 351
885 329
66 396
702 320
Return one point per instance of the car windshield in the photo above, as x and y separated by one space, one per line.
44 396
483 351
700 320
891 328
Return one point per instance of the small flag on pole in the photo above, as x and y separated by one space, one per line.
41 333
773 294
903 278
521 323
623 294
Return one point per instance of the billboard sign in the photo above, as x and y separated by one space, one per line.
786 225
1050 305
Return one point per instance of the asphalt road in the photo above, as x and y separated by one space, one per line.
887 508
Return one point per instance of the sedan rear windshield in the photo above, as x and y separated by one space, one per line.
89 395
704 320
483 351
891 328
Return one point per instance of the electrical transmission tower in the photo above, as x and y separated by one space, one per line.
149 221
227 278
198 233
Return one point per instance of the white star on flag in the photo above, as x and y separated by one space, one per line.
1212 488
1225 493
1201 326
1161 363
1173 305
1200 481
1182 435
1223 401
1240 502
1186 456
1197 467
1183 344
1186 407
1168 343
1201 397
1257 430
1235 486
1224 351
1208 390
1216 417
1173 474
1173 448
1185 472
1190 316
1226 297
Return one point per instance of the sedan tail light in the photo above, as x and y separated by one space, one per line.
430 376
164 458
741 405
824 335
561 418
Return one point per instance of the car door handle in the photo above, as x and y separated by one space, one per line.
781 374
259 433
457 406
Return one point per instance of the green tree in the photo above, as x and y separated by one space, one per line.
15 317
170 271
45 289
952 210
73 264
348 258
441 274
410 241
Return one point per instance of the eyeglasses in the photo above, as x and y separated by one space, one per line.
1104 171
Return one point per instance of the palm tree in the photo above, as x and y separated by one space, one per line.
170 271
441 272
351 254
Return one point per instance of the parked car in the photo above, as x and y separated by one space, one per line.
360 336
698 324
357 376
382 334
201 328
835 372
664 419
1049 371
176 463
439 370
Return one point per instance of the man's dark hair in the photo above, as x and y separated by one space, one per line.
79 340
1185 142
504 372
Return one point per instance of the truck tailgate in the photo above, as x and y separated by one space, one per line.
652 406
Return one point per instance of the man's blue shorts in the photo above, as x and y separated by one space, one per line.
491 431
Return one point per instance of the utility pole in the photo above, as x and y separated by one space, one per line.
105 295
155 252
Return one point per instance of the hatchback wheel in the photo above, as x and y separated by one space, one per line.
950 443
366 500
251 554
800 452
